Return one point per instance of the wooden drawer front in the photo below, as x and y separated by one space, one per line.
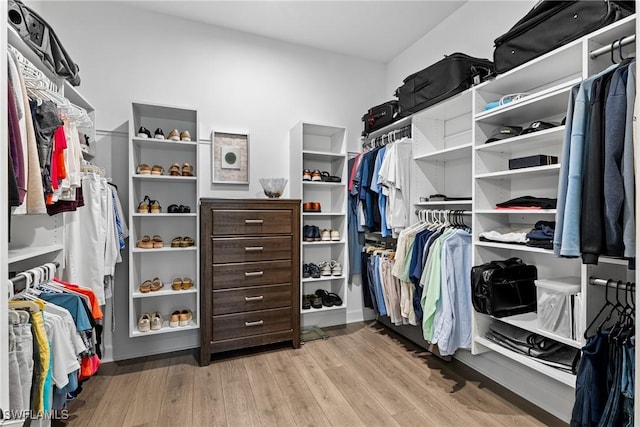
252 323
248 274
251 249
239 222
251 299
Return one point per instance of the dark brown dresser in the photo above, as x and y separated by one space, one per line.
249 274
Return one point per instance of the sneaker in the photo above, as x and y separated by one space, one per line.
174 320
158 134
306 175
316 176
314 271
174 135
143 132
156 321
325 235
305 271
144 323
334 235
185 136
308 233
325 268
336 268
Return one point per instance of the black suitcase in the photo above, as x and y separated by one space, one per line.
447 77
551 24
379 116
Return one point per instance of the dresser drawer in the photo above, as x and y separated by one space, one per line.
252 323
241 222
251 274
237 249
251 299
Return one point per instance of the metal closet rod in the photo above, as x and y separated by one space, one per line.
20 282
616 44
451 211
603 282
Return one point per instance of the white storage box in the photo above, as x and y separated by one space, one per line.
556 303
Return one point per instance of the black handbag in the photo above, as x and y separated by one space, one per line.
379 116
504 288
551 24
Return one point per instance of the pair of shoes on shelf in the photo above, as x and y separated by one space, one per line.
330 235
329 299
332 268
311 233
312 300
151 285
310 270
311 207
150 321
180 318
178 209
181 283
147 242
174 135
149 206
182 242
145 169
307 175
185 170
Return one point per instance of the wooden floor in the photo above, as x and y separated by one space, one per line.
363 375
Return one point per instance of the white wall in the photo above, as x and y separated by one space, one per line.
236 81
471 29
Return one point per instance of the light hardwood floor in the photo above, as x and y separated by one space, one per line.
363 375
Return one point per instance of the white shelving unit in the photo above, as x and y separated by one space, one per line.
548 81
166 262
322 148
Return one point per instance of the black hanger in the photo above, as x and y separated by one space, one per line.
602 309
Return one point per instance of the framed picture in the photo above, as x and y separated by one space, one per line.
230 157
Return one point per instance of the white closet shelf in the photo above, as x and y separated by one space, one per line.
447 154
163 215
165 178
323 214
164 143
164 292
321 155
21 254
563 377
164 330
516 211
322 279
163 249
323 183
445 203
323 309
513 247
529 322
542 140
613 261
537 170
324 243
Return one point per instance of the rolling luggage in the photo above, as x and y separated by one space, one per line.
551 24
447 77
379 116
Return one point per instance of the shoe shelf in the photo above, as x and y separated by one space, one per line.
321 155
329 242
322 309
166 189
323 279
323 183
28 252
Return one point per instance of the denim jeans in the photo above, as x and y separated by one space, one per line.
613 409
591 382
628 375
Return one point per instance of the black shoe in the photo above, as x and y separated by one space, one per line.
173 209
307 232
143 132
305 271
184 209
316 233
314 271
158 134
327 300
316 301
306 302
336 298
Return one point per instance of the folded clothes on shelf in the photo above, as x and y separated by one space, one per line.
445 198
542 235
528 202
505 235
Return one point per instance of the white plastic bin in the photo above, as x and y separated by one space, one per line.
556 305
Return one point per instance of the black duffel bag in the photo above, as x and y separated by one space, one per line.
379 116
504 288
551 24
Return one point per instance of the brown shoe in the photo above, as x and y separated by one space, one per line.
307 207
315 206
185 136
174 135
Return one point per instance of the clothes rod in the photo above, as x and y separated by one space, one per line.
450 211
20 282
613 284
616 44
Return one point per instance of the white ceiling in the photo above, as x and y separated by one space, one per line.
377 30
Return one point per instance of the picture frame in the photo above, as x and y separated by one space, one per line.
230 157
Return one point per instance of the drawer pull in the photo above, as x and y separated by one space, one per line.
253 248
253 221
259 298
257 323
253 273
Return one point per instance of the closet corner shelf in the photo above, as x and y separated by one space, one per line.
323 309
324 184
21 254
447 154
445 203
164 330
538 170
324 243
516 211
563 377
322 279
163 249
163 215
529 322
542 140
165 178
164 292
163 143
513 247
